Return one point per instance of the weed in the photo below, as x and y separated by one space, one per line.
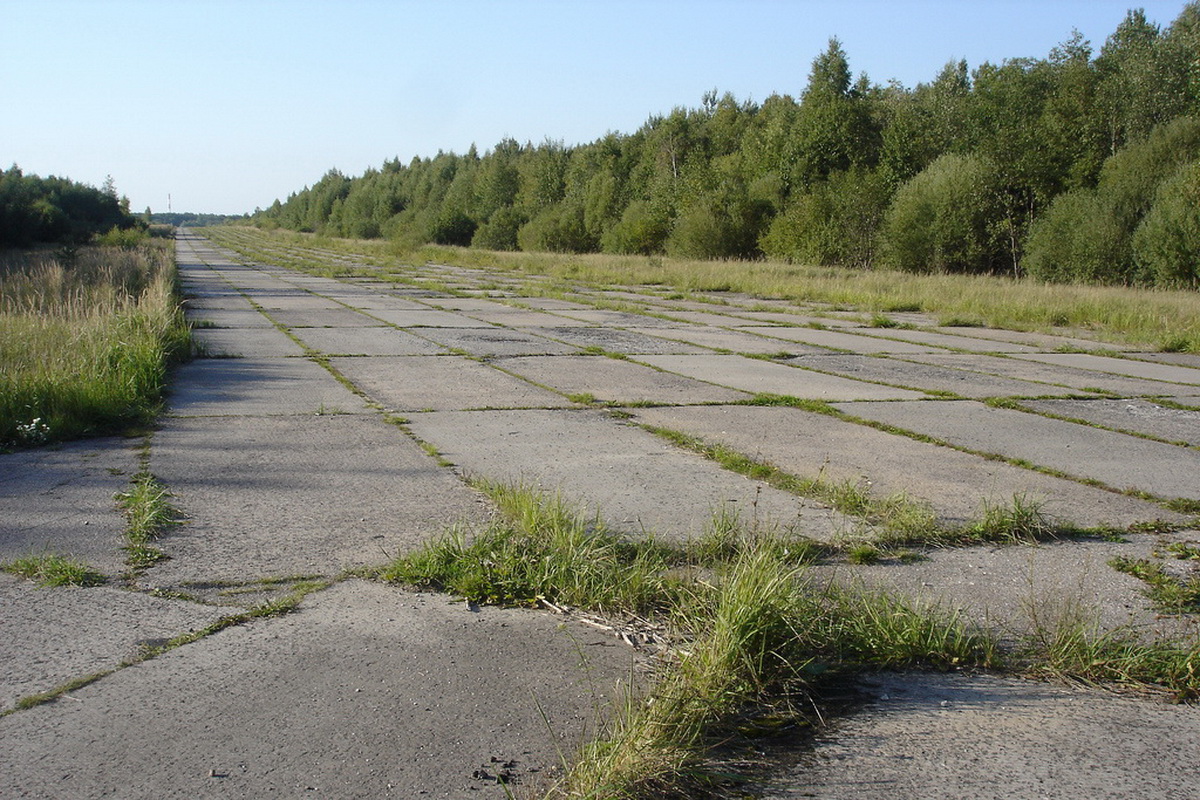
1169 594
1072 645
50 569
863 554
148 513
1021 520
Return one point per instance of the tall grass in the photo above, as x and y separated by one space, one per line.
86 337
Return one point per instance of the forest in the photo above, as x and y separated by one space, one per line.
52 210
1081 166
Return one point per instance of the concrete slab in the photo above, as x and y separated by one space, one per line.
1169 373
227 318
840 340
616 340
753 375
258 387
553 304
238 343
231 301
49 636
372 301
709 318
469 304
621 319
949 341
1140 416
297 496
616 381
956 484
525 318
1025 369
1040 341
366 342
60 500
1118 460
637 482
927 377
419 383
497 342
329 318
277 301
1182 359
429 318
731 340
1011 589
926 736
799 318
365 691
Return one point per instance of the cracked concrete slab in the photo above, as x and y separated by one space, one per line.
419 383
956 484
1167 373
50 636
258 386
496 342
947 340
365 691
617 381
1118 460
840 340
757 376
297 496
1140 416
1025 369
637 482
730 340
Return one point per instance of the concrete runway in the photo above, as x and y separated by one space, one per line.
294 447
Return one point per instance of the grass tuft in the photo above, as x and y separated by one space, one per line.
50 569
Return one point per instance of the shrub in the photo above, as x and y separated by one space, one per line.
939 220
1167 243
500 231
642 230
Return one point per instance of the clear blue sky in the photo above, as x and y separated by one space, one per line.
229 104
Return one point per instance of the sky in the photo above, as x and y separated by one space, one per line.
223 106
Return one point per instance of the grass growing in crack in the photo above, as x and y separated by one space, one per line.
542 550
1168 593
148 513
1073 646
752 632
49 569
1022 520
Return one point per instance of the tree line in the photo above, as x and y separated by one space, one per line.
35 210
1079 166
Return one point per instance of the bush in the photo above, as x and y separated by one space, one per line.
939 220
641 230
1078 239
558 229
1167 243
835 222
500 231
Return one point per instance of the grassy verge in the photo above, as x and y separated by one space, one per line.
85 340
1156 319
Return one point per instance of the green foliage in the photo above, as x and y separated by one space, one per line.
835 222
1167 243
1088 234
38 210
939 220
